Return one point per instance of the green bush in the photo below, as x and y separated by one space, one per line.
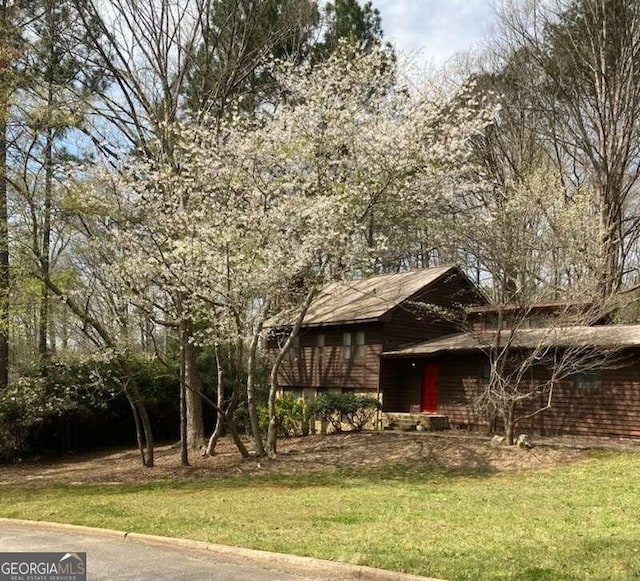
79 387
338 408
290 412
292 415
69 389
14 425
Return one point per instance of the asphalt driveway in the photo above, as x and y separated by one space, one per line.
112 559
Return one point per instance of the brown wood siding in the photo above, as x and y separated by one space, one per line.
613 409
410 323
459 385
332 370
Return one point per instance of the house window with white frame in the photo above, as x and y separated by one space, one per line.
353 345
346 345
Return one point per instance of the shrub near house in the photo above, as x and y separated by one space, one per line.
334 408
357 411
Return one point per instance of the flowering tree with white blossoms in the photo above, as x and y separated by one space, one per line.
256 213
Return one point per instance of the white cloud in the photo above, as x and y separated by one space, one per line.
436 28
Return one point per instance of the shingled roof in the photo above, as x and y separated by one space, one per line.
603 336
367 299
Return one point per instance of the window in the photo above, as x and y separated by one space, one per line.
490 324
320 346
539 323
353 345
294 350
485 372
360 344
588 380
346 345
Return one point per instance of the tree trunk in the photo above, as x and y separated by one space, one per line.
144 432
136 420
272 438
220 415
148 432
231 426
508 425
45 242
184 444
272 432
133 393
64 329
217 434
251 402
43 323
4 223
611 218
193 388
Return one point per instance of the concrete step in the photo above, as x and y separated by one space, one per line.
410 421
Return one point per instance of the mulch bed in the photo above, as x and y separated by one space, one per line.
449 450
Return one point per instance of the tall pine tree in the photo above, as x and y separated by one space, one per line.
58 83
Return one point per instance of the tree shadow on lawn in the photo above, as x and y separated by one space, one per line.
417 473
301 461
353 477
343 477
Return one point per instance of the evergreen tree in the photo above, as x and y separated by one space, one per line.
12 19
240 36
347 20
58 82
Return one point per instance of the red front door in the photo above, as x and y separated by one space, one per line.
429 388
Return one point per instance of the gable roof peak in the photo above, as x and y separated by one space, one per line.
370 298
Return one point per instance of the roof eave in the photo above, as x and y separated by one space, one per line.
318 324
415 354
340 323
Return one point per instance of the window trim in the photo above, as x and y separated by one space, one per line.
347 351
360 342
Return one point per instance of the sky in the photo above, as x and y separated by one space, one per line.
438 29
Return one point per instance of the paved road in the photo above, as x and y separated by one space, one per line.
113 559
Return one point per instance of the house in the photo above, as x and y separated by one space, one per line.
398 338
601 402
350 324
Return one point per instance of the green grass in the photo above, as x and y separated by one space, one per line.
571 522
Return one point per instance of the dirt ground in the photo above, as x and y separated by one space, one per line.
308 454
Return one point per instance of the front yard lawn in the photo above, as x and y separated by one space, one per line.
574 521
